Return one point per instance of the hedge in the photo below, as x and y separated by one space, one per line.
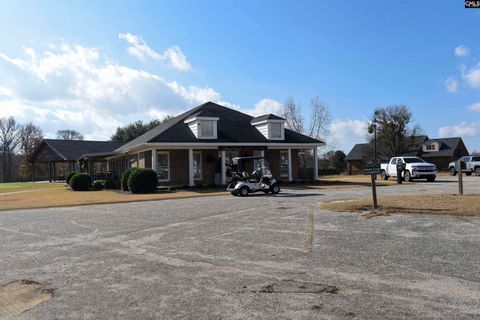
69 177
142 181
124 180
81 182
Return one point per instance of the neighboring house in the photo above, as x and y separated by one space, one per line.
440 152
196 148
64 156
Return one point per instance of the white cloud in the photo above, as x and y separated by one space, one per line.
345 133
5 92
472 76
461 51
451 84
462 129
474 107
265 106
139 48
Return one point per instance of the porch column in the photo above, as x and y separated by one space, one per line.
315 163
262 153
222 168
138 160
154 160
290 176
190 168
54 172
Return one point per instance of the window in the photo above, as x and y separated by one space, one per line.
394 161
206 129
430 147
284 163
275 130
197 165
163 166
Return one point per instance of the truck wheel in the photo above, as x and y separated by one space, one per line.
243 192
274 188
477 171
383 174
431 179
453 172
468 173
407 176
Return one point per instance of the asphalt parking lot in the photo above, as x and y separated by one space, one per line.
260 257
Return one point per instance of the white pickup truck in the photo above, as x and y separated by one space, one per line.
470 164
415 168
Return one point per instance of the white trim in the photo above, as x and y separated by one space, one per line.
214 145
201 166
154 160
190 168
191 119
168 164
290 176
222 167
267 120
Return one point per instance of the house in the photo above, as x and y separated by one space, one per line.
197 147
440 151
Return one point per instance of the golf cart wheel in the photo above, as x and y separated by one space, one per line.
477 171
431 179
266 191
274 188
453 172
408 177
468 173
234 193
243 192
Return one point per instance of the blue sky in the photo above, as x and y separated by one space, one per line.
94 65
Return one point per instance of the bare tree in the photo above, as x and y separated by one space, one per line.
9 141
30 137
318 121
69 135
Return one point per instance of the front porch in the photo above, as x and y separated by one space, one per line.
208 166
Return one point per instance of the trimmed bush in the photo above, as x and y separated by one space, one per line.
124 180
69 177
98 185
81 182
112 184
143 181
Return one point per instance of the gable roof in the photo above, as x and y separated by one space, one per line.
266 117
446 147
233 127
72 150
360 151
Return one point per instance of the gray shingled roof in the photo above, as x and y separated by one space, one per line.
233 127
266 117
72 150
447 147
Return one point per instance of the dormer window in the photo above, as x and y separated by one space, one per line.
271 126
203 127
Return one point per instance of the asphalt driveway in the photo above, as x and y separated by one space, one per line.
261 257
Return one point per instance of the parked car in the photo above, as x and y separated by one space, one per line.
470 164
415 168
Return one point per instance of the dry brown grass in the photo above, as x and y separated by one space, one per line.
28 186
441 204
65 197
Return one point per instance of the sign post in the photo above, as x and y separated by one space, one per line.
460 177
373 169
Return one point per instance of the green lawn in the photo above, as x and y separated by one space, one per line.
26 186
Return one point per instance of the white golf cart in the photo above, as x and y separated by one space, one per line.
260 179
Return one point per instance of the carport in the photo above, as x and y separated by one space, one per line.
63 156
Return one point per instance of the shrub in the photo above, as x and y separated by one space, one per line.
69 177
142 181
98 185
81 182
112 184
124 180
